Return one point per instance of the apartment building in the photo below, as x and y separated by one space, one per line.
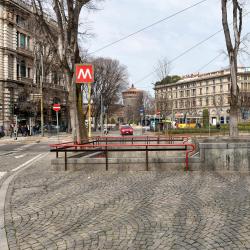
188 97
20 80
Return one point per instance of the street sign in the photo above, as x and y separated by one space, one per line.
56 107
84 73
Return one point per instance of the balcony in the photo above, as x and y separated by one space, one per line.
25 80
25 52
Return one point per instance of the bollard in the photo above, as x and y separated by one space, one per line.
106 154
65 161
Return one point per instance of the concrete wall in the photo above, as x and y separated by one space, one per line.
225 156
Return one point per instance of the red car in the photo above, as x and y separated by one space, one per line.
126 130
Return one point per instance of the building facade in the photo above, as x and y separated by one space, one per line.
133 102
20 80
187 98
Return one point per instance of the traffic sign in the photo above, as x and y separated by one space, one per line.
84 73
56 107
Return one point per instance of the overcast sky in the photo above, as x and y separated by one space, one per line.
140 53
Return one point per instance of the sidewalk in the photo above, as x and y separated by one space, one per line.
63 137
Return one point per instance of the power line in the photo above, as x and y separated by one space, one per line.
189 49
212 60
182 54
146 27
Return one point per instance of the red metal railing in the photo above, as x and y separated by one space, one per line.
97 146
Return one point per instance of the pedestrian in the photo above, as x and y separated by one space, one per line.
11 129
2 134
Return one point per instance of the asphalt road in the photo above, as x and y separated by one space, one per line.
15 154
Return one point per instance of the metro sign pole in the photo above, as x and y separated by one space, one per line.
84 73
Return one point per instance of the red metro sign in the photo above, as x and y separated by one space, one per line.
84 73
56 107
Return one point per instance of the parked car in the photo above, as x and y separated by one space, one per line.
126 130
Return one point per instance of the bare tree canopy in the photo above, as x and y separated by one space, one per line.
111 78
162 69
233 45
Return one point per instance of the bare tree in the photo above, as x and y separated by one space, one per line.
232 50
111 78
163 68
148 103
66 48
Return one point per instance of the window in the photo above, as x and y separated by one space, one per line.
188 93
200 91
23 69
206 90
176 95
22 41
181 93
213 89
200 101
193 92
221 89
228 87
29 73
207 101
193 102
222 121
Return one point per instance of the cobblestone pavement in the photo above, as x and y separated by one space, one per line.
128 210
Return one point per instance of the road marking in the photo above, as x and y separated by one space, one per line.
19 156
29 162
2 174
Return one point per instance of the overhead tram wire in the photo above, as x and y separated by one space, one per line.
183 53
186 51
212 60
219 55
149 26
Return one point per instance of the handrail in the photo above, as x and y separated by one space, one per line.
107 139
189 148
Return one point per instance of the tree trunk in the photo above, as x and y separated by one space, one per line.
233 97
77 119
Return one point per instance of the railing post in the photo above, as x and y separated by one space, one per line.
56 153
132 140
146 158
65 161
106 154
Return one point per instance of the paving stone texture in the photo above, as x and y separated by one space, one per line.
128 210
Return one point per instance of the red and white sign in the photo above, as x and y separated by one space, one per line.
84 73
56 107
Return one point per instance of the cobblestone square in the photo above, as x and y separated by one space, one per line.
128 210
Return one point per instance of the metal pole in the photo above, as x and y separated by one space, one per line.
89 105
154 123
57 125
41 92
209 122
101 118
15 129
